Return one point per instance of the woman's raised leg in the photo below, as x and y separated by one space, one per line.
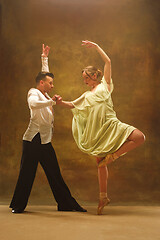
135 139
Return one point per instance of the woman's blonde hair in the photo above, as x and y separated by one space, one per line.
92 70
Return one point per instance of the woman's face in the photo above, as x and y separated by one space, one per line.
89 80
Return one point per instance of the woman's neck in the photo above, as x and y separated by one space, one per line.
93 88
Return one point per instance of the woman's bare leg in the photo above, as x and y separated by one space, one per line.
102 178
135 139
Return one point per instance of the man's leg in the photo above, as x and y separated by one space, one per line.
29 162
60 190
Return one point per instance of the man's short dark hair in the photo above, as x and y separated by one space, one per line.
42 75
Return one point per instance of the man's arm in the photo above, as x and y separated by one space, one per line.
34 103
44 58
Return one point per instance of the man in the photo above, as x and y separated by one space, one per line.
37 147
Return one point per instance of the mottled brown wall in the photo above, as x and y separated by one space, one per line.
128 30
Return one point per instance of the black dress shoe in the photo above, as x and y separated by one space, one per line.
80 209
17 210
67 209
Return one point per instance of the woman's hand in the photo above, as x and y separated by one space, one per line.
89 44
45 51
59 101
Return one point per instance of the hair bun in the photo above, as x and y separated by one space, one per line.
99 73
92 70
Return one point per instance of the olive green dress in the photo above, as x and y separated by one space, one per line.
95 127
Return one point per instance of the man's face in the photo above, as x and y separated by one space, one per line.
47 84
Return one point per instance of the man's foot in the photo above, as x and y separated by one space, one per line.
17 210
80 209
76 209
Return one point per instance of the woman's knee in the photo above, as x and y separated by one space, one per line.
137 137
140 138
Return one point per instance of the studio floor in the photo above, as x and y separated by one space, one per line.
45 222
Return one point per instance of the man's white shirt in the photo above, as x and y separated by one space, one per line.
41 112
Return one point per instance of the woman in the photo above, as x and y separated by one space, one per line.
96 129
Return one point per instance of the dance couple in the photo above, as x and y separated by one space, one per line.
95 127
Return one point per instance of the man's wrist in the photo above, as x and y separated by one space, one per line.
53 102
44 56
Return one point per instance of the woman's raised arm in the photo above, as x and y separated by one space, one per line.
106 59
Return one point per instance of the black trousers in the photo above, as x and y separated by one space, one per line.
34 152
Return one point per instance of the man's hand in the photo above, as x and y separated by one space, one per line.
60 102
45 50
57 98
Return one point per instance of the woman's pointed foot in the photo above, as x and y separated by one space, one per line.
103 201
108 159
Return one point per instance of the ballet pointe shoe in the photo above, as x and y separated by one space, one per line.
103 201
108 159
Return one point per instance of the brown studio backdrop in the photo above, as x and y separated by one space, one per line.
128 31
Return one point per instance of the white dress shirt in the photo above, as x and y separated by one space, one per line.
45 67
41 112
